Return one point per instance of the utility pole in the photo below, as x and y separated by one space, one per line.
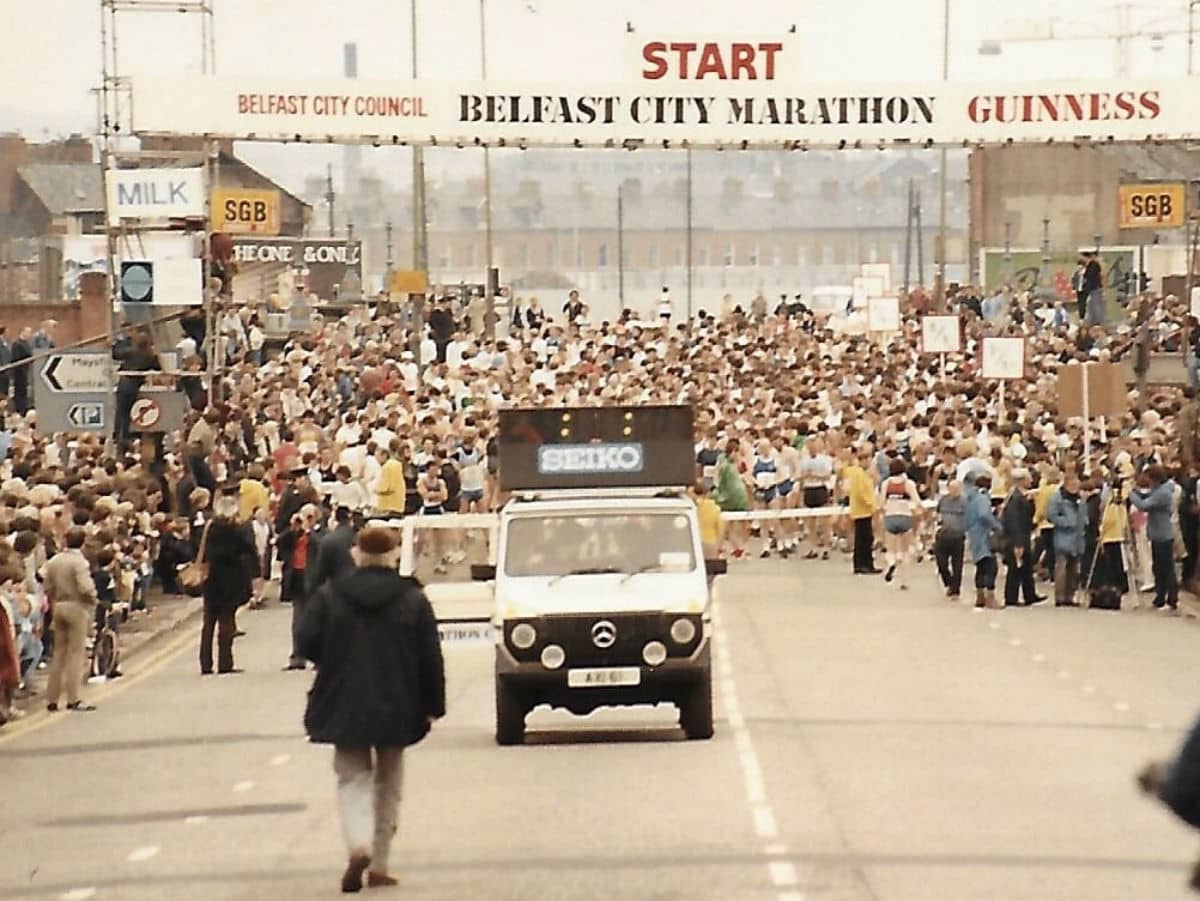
688 242
1191 28
489 289
940 286
908 240
420 245
920 235
329 195
621 244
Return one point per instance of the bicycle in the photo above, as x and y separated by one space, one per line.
106 647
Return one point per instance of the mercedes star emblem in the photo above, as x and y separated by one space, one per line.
604 634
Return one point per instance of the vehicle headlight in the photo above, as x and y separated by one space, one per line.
654 653
553 656
683 631
523 636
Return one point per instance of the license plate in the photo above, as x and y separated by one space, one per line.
604 678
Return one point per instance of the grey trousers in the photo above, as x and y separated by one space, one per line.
369 800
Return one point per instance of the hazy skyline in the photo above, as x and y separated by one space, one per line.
50 50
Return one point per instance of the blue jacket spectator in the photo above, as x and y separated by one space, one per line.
1159 503
981 523
1067 512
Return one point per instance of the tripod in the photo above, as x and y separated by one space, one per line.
1128 552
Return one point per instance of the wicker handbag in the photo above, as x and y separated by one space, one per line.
193 575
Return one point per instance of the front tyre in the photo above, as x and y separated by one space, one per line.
695 709
510 716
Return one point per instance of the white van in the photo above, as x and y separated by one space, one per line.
601 593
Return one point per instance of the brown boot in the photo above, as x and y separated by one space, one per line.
992 602
352 879
379 880
980 598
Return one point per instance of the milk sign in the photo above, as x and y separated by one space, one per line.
156 193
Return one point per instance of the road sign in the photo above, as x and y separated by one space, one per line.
89 415
72 392
144 414
1152 205
158 410
78 370
241 211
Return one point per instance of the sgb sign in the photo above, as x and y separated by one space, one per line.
240 211
1152 205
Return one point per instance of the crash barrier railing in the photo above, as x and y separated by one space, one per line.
490 523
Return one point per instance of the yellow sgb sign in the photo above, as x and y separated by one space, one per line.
242 211
1152 206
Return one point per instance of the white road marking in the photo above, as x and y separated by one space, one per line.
1120 706
196 820
280 759
764 821
1063 674
78 894
244 786
783 873
1154 725
993 625
1015 642
1038 658
137 855
1089 689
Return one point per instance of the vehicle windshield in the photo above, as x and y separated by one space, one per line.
562 545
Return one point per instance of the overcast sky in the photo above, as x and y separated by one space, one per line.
50 49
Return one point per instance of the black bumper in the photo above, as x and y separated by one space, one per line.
668 682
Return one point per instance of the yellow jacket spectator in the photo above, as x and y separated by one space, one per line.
390 495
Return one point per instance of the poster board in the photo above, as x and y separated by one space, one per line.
1003 358
883 314
1107 391
941 335
868 286
881 271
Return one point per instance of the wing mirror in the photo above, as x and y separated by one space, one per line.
484 572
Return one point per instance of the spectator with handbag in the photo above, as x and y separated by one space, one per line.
229 564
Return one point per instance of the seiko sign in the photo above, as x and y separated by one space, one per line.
567 459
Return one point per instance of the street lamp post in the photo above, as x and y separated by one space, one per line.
420 236
489 288
940 287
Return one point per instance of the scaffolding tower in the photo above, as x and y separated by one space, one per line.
114 129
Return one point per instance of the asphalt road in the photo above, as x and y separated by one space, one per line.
871 743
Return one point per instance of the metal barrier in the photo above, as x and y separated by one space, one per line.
409 525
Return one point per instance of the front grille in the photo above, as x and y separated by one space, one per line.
574 633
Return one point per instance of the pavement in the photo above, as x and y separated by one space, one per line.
870 743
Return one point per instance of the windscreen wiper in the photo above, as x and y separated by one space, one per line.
649 567
585 571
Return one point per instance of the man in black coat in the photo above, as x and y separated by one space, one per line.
380 685
1017 523
228 548
333 552
22 350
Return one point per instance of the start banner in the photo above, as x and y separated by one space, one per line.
669 111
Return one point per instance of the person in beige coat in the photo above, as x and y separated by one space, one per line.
72 594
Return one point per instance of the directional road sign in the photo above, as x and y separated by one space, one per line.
78 370
72 392
89 415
